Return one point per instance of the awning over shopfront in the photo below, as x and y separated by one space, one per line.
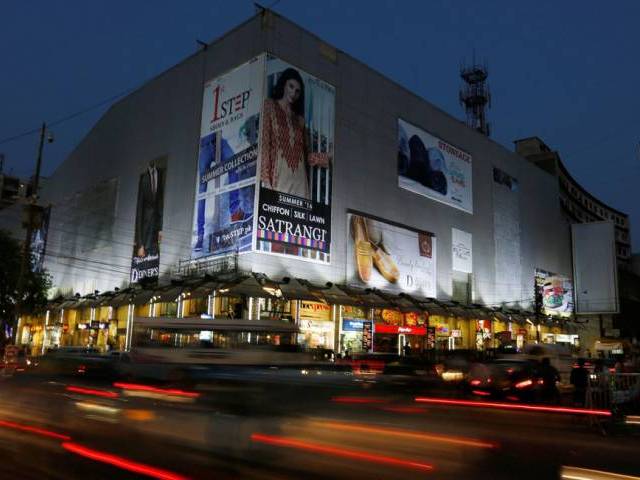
332 294
293 289
123 297
253 285
260 286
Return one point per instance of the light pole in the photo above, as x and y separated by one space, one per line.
32 218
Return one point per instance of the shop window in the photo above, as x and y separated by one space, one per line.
166 309
197 306
230 307
275 309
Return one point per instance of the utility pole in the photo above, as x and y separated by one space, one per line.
32 218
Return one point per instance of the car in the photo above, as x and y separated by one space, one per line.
505 379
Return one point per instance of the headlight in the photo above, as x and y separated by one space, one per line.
452 376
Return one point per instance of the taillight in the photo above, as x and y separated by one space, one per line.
475 381
524 383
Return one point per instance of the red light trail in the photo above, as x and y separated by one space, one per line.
163 391
92 391
121 462
36 430
339 452
514 406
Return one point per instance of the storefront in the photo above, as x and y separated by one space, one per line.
399 339
315 321
356 335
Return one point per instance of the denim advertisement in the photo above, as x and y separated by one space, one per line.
553 294
389 257
431 167
296 158
227 162
145 262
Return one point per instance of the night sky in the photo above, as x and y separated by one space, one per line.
564 71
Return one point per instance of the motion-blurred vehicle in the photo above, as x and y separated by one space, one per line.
559 356
16 359
176 349
505 379
454 367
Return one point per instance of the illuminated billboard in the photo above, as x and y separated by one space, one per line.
390 257
296 162
227 161
433 168
553 294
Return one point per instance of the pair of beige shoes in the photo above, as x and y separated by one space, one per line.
369 253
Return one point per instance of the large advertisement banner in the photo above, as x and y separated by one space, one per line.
389 257
227 161
145 263
431 167
39 242
553 294
296 154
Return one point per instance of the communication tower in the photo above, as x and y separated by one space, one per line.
475 96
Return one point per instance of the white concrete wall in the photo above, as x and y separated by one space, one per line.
162 119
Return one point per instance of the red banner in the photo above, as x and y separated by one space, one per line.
382 328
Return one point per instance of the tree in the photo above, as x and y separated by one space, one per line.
34 290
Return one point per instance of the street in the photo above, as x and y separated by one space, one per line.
69 428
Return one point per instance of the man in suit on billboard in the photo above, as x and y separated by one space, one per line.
149 211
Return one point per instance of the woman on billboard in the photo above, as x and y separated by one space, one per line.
286 157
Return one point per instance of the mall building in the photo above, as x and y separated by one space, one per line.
272 177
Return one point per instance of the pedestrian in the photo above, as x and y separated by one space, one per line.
550 377
579 379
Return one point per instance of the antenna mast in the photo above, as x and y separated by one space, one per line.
475 95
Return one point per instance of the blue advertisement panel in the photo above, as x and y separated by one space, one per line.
227 161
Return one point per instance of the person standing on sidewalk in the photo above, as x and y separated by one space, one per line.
550 377
579 379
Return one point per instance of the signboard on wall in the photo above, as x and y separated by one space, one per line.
296 163
315 310
461 251
367 336
145 263
595 267
227 161
553 294
433 168
390 257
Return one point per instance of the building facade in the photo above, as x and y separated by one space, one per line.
361 185
580 206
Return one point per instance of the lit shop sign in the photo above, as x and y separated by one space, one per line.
382 328
353 325
315 311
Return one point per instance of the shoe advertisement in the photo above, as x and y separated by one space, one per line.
390 257
227 161
296 156
431 167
